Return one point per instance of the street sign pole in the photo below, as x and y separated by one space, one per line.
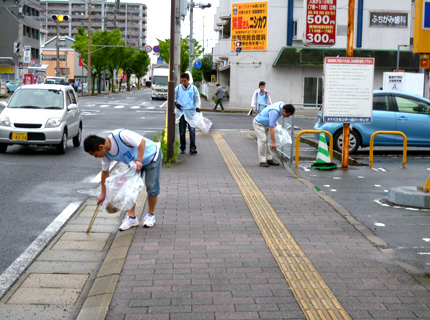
171 88
349 53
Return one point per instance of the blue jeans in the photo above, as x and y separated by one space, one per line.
152 176
182 128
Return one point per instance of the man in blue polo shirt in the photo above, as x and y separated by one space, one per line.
128 146
264 124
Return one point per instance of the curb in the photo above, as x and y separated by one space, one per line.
97 302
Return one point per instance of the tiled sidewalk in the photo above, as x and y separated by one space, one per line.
207 259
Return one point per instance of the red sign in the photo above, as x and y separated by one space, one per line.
81 64
28 79
320 22
148 49
33 61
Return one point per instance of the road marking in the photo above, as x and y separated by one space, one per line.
426 239
145 102
150 108
17 268
377 185
163 104
119 107
378 224
98 178
424 253
135 107
313 295
104 106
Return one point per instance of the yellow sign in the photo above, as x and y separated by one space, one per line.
422 26
249 25
213 78
9 69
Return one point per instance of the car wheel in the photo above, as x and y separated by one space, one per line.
354 141
77 139
61 148
152 98
3 147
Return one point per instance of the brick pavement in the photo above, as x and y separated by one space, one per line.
207 259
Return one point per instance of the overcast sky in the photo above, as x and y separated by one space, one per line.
159 23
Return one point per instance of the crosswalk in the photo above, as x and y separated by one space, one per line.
144 106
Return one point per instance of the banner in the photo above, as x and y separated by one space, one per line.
27 54
249 25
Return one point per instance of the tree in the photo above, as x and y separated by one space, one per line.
165 51
140 65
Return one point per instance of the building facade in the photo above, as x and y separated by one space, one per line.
292 70
20 23
130 18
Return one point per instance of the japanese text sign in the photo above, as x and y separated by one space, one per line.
320 22
348 90
249 25
389 19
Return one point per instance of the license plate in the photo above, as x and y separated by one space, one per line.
19 136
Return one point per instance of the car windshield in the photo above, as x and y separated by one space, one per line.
160 80
37 99
54 81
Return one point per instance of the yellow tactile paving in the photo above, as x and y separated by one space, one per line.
315 298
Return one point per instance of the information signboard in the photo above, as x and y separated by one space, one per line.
348 90
320 22
27 54
249 25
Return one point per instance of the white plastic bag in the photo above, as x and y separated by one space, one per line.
202 123
188 115
282 136
122 189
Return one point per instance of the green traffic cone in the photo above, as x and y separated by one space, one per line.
323 161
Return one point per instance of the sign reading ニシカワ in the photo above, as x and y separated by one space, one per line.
389 19
249 25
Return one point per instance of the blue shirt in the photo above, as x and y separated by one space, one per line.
270 114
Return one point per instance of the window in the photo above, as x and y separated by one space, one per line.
312 96
412 106
381 103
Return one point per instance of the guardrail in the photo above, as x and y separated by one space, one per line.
312 131
372 138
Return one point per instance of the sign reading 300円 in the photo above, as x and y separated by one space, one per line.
320 22
249 25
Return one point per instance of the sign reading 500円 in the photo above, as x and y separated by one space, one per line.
320 22
249 25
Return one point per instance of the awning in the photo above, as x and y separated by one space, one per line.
314 57
224 68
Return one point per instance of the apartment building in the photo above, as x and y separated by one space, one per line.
19 22
273 47
130 18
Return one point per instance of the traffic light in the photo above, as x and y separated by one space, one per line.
16 47
238 46
60 18
425 61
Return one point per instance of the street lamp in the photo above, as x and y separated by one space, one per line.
191 6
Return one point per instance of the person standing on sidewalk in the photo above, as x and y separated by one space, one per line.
219 94
187 101
260 98
264 124
128 146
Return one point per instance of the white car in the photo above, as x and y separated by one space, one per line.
41 115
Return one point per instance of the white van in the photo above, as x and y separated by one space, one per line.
159 83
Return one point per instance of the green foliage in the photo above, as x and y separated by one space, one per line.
163 141
185 54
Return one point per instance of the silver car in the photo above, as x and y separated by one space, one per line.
41 115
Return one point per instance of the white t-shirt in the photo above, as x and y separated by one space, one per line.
130 138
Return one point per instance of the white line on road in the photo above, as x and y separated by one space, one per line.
14 271
378 224
104 106
163 104
426 239
424 253
145 102
119 107
151 108
135 107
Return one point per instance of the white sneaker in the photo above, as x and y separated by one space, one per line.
128 222
149 220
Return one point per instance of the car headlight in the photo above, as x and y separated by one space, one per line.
5 121
53 123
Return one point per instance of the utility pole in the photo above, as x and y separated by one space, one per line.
20 33
171 86
58 50
191 50
89 51
349 53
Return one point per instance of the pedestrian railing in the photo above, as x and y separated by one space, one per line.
313 132
372 138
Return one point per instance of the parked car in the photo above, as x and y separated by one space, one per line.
392 111
41 115
10 85
56 80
